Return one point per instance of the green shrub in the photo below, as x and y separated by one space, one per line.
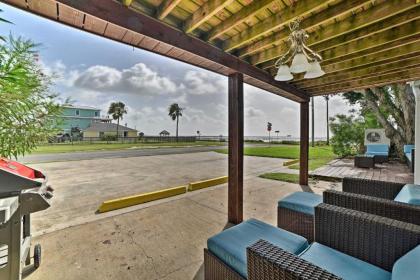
348 134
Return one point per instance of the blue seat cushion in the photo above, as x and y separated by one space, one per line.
304 202
342 265
377 150
408 156
407 267
230 245
408 148
410 194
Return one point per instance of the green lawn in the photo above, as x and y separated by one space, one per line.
87 147
318 155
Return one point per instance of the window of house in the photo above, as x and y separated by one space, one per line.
77 112
96 114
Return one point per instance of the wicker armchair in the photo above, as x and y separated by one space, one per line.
380 189
370 238
374 197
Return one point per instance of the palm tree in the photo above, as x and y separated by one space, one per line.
117 111
175 112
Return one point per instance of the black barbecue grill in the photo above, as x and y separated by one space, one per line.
23 191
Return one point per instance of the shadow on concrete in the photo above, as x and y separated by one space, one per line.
306 188
199 275
28 271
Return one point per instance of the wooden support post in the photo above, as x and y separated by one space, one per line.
304 143
236 145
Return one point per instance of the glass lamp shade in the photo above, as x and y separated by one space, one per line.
299 63
283 74
314 71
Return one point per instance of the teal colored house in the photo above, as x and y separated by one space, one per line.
80 117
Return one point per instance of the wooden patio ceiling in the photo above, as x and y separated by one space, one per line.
364 43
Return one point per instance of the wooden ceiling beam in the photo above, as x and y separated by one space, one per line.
369 46
239 17
351 75
368 60
115 13
310 22
127 3
166 8
396 37
402 76
359 26
274 22
204 13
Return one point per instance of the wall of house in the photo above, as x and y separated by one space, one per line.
88 134
82 120
95 134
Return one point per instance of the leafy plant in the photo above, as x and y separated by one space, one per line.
348 134
28 108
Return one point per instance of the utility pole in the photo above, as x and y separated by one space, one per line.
313 122
327 98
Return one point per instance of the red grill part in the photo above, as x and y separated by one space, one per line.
20 169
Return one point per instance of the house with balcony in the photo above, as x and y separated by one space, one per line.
80 118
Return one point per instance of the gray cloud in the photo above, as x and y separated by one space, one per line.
147 93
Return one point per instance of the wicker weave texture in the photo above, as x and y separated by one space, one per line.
215 269
268 262
371 238
373 205
381 189
296 222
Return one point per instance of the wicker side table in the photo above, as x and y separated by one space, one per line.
364 161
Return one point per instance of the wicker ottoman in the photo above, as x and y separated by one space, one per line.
364 161
295 213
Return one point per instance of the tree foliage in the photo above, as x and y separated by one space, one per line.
391 107
175 112
117 111
28 108
348 134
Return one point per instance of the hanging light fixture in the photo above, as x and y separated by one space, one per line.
303 58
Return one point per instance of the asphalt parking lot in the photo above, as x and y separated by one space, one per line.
81 186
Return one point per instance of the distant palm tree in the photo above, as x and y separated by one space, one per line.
175 112
117 111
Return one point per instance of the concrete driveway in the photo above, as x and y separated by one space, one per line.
81 186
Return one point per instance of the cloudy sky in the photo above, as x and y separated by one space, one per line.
95 71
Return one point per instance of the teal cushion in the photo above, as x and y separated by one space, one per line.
230 245
408 148
304 202
377 153
408 156
377 149
407 267
342 265
410 194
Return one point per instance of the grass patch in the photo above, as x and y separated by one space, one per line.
87 147
318 155
285 177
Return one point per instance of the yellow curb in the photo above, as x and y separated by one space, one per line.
207 183
290 162
123 202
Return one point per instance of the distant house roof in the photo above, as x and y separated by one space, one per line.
80 107
164 132
107 127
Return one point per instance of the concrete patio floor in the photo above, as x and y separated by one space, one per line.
162 241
